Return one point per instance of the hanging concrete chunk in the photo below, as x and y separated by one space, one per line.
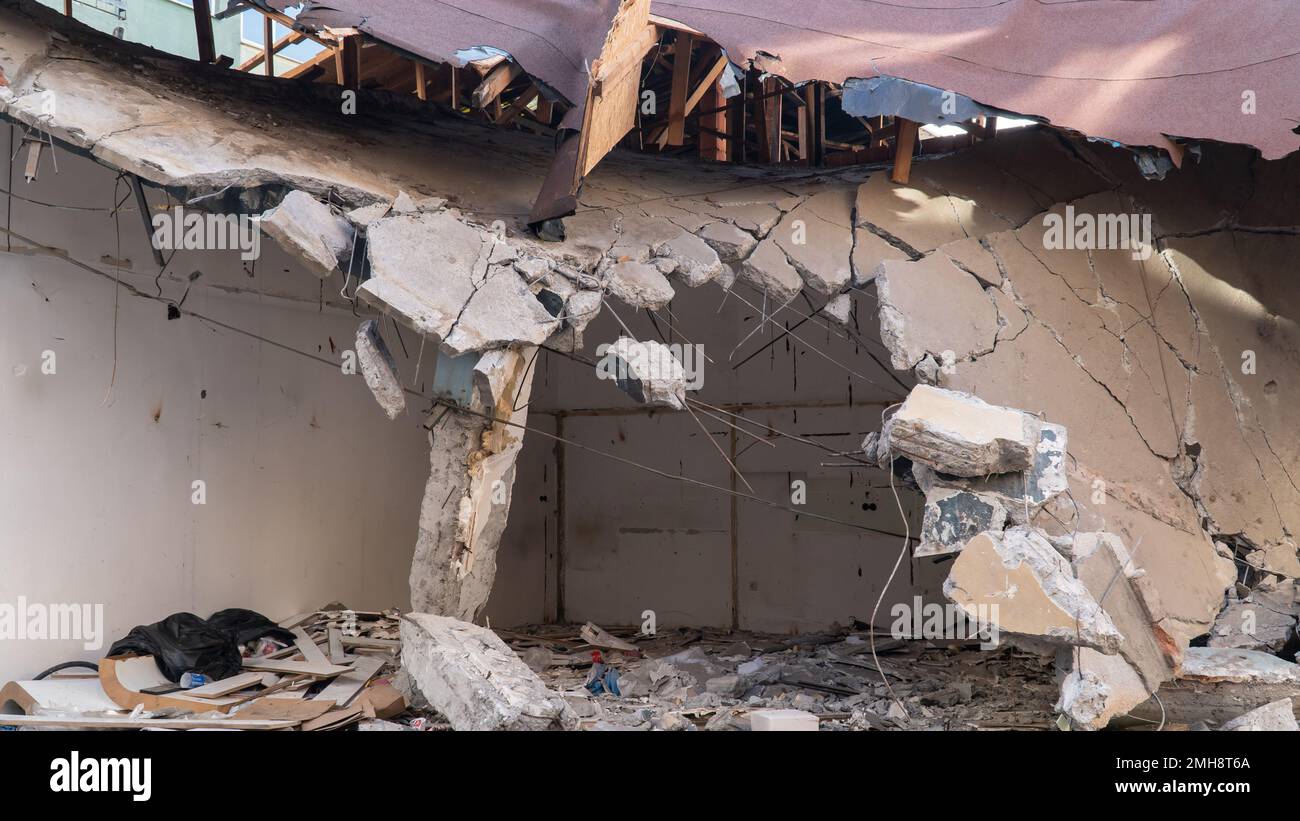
308 229
730 243
1274 716
960 434
954 517
646 371
1019 583
1098 688
1022 492
697 263
639 284
767 269
379 370
469 675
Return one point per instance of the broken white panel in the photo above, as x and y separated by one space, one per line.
961 434
646 371
379 370
310 230
1017 582
469 675
782 721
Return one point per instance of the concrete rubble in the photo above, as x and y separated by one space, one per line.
311 230
647 371
470 676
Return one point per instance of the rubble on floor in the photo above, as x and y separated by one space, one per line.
711 679
1274 716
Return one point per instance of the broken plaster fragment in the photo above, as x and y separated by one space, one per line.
954 517
379 370
1019 583
962 435
646 371
840 309
309 230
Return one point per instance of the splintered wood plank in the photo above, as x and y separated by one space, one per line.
300 667
336 645
203 31
495 82
226 686
345 688
903 149
310 652
676 133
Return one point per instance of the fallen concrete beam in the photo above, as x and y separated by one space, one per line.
470 676
960 434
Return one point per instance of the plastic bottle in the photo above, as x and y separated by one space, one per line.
191 680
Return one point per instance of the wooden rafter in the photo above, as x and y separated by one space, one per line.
292 38
203 31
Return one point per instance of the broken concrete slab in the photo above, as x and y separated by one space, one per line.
469 675
1105 567
1098 687
379 370
1252 627
1218 664
697 262
840 309
817 238
424 268
913 322
638 284
954 517
646 371
309 230
1272 717
501 312
1019 583
769 271
961 434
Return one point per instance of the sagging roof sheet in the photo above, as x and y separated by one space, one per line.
553 40
1121 70
1116 69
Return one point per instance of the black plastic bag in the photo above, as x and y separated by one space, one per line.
183 643
242 626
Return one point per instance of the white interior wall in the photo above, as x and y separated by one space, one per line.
633 541
312 494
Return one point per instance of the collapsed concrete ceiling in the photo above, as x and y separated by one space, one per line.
1136 357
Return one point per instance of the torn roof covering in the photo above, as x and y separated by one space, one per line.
1127 72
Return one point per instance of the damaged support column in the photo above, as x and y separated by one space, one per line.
467 498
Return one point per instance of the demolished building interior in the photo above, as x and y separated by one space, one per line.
688 332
